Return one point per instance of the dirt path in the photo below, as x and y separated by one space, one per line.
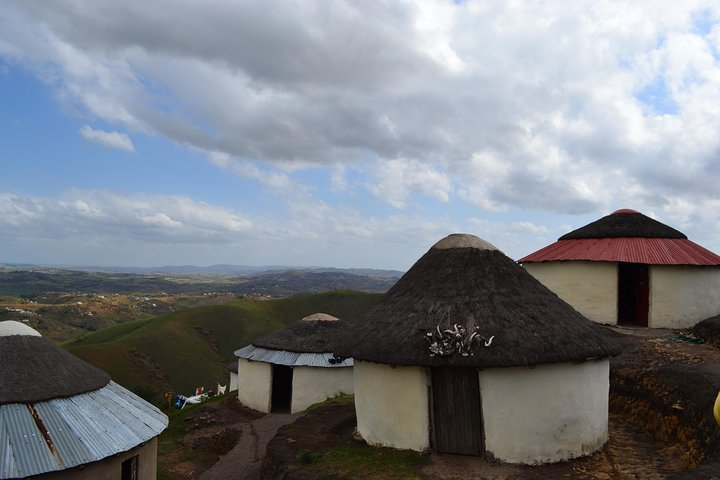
244 461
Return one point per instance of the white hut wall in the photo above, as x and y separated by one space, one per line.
391 403
233 382
547 413
110 468
590 287
255 384
681 296
317 384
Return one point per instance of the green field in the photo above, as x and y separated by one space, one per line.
182 350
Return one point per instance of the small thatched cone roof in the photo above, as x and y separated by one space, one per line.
316 333
465 280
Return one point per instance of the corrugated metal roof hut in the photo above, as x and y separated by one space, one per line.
293 368
627 268
469 354
61 418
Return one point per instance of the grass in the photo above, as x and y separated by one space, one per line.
357 461
171 439
189 348
339 399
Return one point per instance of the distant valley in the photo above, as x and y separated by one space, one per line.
154 332
27 281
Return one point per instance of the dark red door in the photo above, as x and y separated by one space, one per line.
633 294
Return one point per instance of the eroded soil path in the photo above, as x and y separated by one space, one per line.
244 461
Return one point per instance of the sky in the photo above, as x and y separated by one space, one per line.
345 133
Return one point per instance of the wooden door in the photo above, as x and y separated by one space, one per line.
456 410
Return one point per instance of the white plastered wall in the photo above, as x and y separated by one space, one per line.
110 468
681 296
233 385
547 413
255 384
317 384
392 405
590 287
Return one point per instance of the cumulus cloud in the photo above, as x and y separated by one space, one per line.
85 216
395 180
108 139
499 105
512 238
114 228
249 169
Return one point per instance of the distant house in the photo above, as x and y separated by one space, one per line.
291 369
233 369
627 268
61 418
531 387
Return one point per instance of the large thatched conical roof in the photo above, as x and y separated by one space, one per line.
624 223
317 333
465 280
33 368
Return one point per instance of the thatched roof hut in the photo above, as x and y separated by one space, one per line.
233 371
61 417
474 285
628 268
509 365
295 367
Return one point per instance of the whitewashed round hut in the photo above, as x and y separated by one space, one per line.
61 418
627 268
233 370
291 369
469 354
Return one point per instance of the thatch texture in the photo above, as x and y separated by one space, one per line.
34 369
624 223
475 286
307 336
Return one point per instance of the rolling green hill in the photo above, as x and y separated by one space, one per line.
182 350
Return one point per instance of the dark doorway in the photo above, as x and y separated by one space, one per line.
281 388
129 469
633 294
457 419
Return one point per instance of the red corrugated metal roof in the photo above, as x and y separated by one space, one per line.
654 251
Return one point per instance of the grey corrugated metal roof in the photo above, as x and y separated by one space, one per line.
80 429
290 359
7 463
69 447
27 447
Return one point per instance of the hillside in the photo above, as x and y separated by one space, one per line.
34 281
64 316
181 350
